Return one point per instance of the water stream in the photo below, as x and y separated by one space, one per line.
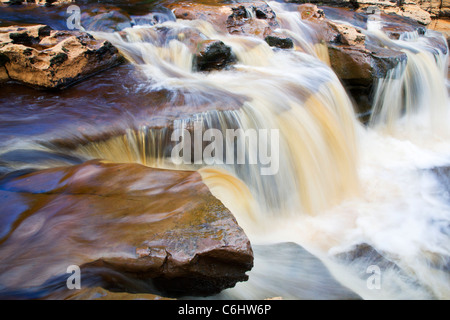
340 183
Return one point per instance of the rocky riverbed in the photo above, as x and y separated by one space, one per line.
82 180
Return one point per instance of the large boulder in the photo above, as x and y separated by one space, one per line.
436 8
213 55
42 57
128 227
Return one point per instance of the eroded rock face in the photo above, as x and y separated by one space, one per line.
253 18
406 8
42 57
356 61
123 224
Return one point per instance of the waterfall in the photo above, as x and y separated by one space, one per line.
415 88
339 184
287 90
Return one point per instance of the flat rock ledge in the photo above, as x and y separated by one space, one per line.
42 57
127 226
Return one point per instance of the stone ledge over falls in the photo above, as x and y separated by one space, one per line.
46 58
357 58
126 226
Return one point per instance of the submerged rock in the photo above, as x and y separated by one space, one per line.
356 61
129 228
42 57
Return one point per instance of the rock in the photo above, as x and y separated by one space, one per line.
396 276
3 74
436 8
310 12
356 62
361 65
213 55
352 64
250 18
367 255
38 2
442 26
411 11
42 57
289 279
346 35
255 19
282 43
130 228
216 15
407 8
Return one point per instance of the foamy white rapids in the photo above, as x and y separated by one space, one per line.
340 184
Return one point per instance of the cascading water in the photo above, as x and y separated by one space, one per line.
416 87
339 184
326 156
290 91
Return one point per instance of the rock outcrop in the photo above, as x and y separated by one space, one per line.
406 8
254 18
436 8
213 55
46 58
125 225
357 63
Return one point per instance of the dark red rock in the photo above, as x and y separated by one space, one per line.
124 225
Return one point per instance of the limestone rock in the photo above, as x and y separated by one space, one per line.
42 57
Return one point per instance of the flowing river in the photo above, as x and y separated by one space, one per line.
341 185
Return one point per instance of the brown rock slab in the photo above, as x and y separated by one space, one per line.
42 57
249 18
129 228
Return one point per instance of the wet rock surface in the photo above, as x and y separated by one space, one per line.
125 225
46 58
248 18
282 43
213 55
407 9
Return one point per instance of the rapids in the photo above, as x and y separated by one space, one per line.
340 184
